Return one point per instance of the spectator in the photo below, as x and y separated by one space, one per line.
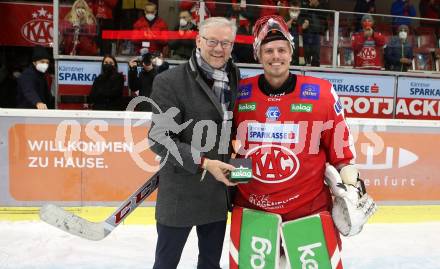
107 89
238 13
245 10
398 52
32 88
142 82
314 23
367 45
271 7
402 8
194 8
130 11
295 28
182 49
430 9
242 52
79 31
152 24
103 11
363 6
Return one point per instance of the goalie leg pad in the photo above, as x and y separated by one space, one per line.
311 242
255 239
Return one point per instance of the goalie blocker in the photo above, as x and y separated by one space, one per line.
307 242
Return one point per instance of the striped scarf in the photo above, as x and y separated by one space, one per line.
221 81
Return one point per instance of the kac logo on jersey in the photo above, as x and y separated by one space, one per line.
244 91
273 163
368 53
273 113
309 91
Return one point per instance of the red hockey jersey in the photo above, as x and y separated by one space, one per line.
290 138
368 52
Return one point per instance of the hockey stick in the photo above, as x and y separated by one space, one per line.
73 224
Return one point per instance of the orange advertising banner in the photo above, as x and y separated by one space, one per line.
72 162
100 162
400 166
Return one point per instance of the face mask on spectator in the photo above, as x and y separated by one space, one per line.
16 74
183 22
107 68
294 14
367 24
403 35
150 16
80 11
42 67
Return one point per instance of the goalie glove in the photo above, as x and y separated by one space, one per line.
352 206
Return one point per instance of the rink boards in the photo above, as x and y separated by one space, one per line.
83 159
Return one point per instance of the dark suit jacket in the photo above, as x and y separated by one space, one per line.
183 199
32 88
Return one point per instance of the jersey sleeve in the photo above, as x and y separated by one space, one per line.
337 139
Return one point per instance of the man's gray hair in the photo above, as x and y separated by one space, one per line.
217 22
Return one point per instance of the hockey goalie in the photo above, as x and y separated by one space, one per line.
304 181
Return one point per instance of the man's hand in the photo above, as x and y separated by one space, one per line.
305 24
219 170
41 105
405 61
133 62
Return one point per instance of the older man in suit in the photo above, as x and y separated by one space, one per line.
190 130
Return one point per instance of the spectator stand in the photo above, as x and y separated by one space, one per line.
336 53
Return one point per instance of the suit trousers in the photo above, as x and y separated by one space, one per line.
171 241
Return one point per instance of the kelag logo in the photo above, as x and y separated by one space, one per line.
246 107
39 29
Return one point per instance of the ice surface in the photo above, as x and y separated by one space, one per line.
36 245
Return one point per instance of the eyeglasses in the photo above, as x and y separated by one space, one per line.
213 43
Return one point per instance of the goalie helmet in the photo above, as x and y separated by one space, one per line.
270 28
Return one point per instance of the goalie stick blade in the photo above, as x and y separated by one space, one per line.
72 223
